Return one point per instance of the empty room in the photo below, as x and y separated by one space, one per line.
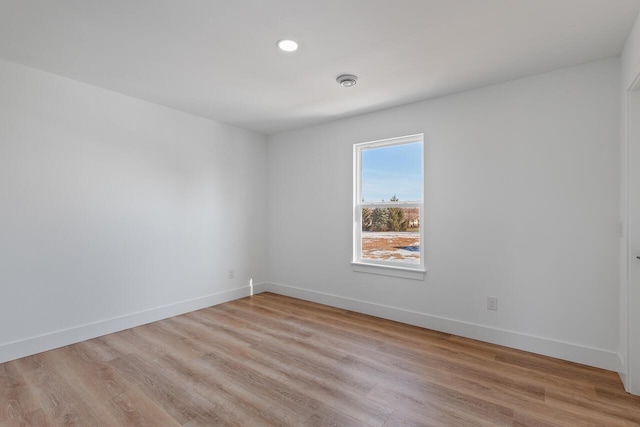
319 213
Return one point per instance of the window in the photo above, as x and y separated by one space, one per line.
388 207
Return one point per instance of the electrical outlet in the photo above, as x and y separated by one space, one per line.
492 303
231 274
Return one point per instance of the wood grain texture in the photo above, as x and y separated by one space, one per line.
273 360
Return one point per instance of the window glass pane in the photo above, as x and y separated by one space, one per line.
392 171
391 234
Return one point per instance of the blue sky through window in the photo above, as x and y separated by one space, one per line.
394 170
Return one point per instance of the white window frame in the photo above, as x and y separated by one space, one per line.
388 268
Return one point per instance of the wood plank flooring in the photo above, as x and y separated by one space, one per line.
272 360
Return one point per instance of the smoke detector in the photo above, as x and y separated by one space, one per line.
347 80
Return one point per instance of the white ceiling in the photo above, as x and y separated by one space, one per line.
219 59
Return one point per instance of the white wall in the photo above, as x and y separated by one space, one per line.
630 69
115 211
521 203
630 57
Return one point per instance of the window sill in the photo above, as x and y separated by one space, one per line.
388 270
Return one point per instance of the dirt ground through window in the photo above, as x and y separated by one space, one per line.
391 246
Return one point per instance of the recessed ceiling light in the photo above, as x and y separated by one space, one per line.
288 45
347 80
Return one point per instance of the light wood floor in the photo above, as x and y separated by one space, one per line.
273 360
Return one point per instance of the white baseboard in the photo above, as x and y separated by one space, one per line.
38 344
259 288
623 371
559 349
